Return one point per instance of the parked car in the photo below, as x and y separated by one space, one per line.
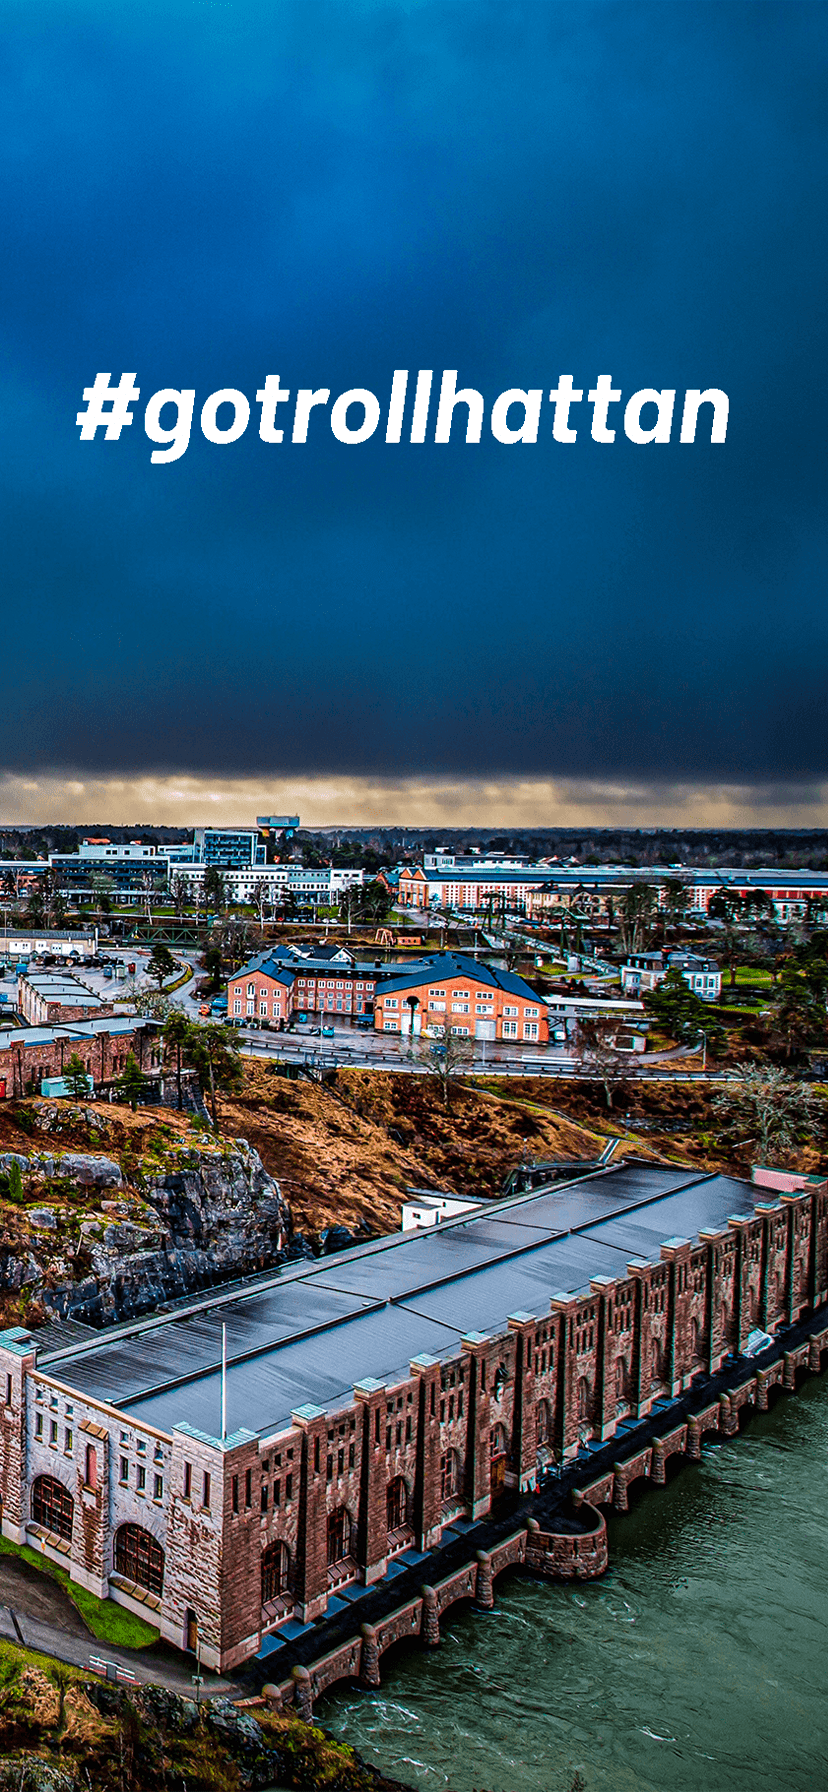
327 1032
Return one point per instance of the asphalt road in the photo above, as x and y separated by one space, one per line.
374 1052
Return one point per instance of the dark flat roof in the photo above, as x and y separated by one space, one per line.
310 1332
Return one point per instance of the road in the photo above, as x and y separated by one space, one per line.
376 1052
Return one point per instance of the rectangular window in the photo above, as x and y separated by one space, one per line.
264 1496
340 1462
248 1490
288 1488
141 1478
158 1487
234 1493
188 1480
53 1431
510 1028
68 1440
8 1390
206 1491
277 1493
330 1468
38 1424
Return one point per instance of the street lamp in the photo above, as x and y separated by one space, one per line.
703 1036
412 1003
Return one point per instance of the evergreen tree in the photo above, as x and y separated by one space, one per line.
130 1083
76 1077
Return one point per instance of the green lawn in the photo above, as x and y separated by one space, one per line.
748 973
109 1622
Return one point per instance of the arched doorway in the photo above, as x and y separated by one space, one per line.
53 1506
139 1558
498 1454
275 1572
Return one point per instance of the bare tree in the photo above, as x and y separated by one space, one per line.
636 917
447 1054
597 1053
181 893
675 901
767 1109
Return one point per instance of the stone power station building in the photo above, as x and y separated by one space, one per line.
373 1399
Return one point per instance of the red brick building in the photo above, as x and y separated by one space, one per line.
28 1054
373 1398
473 1000
264 990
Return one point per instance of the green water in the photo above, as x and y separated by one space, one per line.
699 1662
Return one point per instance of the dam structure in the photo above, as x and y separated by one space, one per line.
256 1472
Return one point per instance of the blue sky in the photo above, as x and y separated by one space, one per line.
207 193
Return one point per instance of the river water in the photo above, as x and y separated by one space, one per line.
699 1662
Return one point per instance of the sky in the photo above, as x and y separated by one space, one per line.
205 192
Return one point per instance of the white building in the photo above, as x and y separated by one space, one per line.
319 886
644 971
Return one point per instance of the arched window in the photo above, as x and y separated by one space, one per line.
623 1382
275 1572
544 1422
397 1504
584 1399
498 1441
53 1506
450 1475
698 1341
339 1536
139 1558
659 1361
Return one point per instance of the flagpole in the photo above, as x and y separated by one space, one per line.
223 1382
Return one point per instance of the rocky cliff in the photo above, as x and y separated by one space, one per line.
98 1238
60 1731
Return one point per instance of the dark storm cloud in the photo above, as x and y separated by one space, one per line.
209 193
